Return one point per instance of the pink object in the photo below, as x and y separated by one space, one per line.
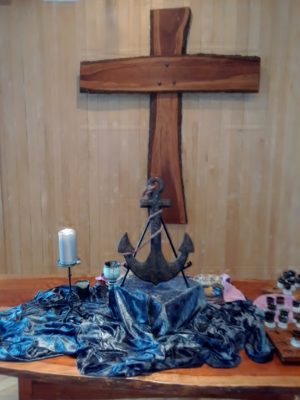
230 292
101 278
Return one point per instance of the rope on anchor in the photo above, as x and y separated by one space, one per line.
137 249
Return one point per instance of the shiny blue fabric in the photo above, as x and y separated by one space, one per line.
135 329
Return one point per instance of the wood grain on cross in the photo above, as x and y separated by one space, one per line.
166 74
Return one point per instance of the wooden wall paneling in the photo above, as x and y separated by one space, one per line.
13 137
109 180
215 164
190 134
264 116
54 74
159 4
93 198
238 141
278 96
97 38
74 145
53 150
80 160
3 74
34 190
211 183
81 189
250 205
18 188
67 138
59 126
201 30
193 181
255 25
118 149
288 192
292 159
2 232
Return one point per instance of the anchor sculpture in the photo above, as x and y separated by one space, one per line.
155 269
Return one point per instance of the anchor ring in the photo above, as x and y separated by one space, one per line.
157 182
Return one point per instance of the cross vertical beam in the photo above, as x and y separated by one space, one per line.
169 29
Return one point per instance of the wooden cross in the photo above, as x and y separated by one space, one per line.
166 74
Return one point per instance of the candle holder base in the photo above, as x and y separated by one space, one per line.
59 264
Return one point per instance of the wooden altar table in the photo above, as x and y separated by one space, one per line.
58 378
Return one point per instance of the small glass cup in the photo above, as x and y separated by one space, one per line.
112 271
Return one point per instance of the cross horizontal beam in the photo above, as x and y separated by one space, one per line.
195 73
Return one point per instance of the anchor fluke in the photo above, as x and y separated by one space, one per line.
125 247
187 245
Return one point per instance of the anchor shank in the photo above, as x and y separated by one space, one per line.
155 226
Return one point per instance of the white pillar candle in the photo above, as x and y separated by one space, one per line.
67 246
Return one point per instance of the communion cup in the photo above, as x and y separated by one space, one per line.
111 271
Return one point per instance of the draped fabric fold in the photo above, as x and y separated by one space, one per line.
135 329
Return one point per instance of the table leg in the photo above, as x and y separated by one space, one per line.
25 389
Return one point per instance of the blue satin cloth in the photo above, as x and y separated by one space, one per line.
135 329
